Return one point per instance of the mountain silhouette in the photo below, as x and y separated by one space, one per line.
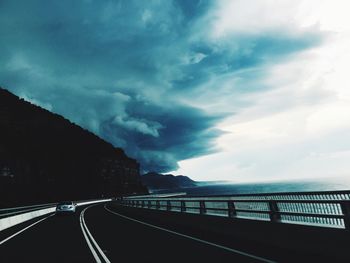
44 157
156 181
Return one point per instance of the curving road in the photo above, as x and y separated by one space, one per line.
101 233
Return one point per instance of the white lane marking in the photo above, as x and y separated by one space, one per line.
87 239
93 240
19 232
193 238
87 234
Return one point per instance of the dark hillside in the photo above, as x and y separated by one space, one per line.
156 181
44 157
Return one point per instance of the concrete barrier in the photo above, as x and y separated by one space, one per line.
10 221
18 219
93 202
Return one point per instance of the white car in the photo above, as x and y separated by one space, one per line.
65 207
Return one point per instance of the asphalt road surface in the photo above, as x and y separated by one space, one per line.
101 233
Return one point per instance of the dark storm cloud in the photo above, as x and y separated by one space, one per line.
160 135
122 69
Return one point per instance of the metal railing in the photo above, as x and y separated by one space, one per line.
325 209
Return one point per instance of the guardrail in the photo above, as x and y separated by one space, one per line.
157 195
325 209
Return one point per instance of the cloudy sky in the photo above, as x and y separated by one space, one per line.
217 90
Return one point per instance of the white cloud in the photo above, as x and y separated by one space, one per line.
242 16
146 16
193 58
142 126
300 127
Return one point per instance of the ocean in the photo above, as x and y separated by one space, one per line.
208 189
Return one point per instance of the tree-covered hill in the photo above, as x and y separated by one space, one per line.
44 157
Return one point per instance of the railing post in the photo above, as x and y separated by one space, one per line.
148 204
275 216
202 209
231 209
345 207
183 206
157 205
168 205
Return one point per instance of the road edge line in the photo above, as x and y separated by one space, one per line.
97 258
24 229
193 238
89 235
